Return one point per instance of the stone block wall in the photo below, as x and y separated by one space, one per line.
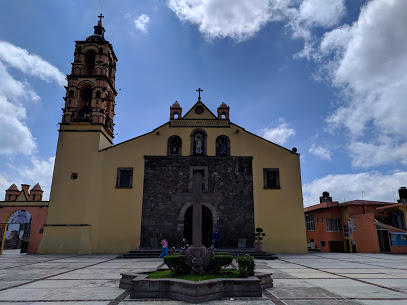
167 194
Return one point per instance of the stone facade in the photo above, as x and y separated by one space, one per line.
227 194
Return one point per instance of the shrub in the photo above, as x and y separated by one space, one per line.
222 253
258 236
176 263
246 265
218 261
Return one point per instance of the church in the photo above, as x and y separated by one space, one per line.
113 198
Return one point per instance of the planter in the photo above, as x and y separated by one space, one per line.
258 246
142 287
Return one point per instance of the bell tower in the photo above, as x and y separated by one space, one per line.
90 94
86 129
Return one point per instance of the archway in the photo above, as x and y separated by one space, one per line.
17 231
207 225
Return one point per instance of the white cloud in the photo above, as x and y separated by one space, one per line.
322 12
242 19
142 22
30 64
16 137
367 62
37 171
279 134
375 186
238 19
368 155
321 152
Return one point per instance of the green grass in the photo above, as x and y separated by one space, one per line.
225 273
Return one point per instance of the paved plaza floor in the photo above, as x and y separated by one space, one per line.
318 278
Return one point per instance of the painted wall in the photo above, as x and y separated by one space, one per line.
365 234
321 233
114 215
38 219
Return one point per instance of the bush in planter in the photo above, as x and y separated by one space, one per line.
222 253
218 261
246 265
176 263
258 236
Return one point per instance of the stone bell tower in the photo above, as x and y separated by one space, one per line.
90 94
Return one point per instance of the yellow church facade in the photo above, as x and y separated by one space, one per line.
109 198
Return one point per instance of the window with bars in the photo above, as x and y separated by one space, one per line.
309 222
271 178
333 224
124 177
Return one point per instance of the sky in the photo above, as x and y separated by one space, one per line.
325 76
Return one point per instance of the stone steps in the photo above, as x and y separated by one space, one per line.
154 253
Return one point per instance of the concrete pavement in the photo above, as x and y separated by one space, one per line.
318 278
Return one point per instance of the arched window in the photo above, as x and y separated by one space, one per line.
174 146
84 103
90 62
222 146
198 142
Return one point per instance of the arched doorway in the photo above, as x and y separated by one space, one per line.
17 231
207 225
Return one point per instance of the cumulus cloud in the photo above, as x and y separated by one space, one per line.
39 170
315 13
242 19
237 19
367 62
16 137
30 64
375 186
35 171
141 22
279 133
321 152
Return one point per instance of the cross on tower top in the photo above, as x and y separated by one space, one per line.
100 17
199 94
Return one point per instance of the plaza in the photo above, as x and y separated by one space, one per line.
316 278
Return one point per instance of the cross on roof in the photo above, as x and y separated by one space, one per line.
100 17
199 94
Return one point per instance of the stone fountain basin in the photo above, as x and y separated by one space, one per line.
182 290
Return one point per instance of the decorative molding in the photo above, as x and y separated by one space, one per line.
199 123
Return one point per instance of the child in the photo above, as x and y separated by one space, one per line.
173 251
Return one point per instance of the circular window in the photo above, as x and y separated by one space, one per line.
199 109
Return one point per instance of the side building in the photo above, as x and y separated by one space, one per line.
22 217
109 198
357 226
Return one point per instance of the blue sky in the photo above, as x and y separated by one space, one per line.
325 76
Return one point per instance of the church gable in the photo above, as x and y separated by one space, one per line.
199 111
21 197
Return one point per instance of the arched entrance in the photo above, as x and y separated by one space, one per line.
17 228
207 225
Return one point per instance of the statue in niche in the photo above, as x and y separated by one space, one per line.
198 144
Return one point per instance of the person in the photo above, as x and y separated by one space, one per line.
216 239
164 244
184 244
173 251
